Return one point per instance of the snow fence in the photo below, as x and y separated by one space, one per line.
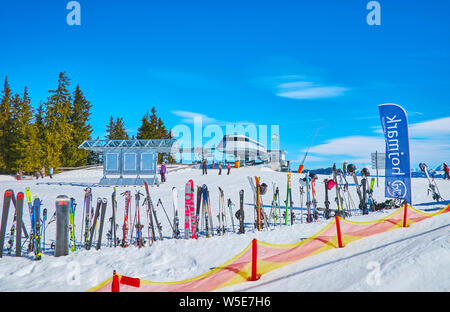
268 257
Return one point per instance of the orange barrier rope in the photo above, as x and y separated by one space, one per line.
250 264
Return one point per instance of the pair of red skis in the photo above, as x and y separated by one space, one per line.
190 227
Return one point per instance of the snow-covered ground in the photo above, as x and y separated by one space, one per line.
410 259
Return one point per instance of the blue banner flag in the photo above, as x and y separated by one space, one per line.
398 166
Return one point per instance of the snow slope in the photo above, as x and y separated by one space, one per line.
410 259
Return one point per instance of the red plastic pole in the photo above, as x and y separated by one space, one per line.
254 276
338 230
404 215
115 283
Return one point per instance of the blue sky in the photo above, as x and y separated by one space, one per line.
296 64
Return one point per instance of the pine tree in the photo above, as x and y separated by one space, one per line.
147 130
26 146
39 119
5 128
39 122
116 129
152 127
81 130
57 126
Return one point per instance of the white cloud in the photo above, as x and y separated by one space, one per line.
436 127
188 117
354 146
426 129
302 90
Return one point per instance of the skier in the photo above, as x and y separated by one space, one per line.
43 172
446 172
220 168
228 168
204 164
162 172
50 172
344 168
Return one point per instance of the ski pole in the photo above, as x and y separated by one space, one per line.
160 202
300 168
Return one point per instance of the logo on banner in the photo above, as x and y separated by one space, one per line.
398 189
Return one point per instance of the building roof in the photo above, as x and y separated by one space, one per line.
156 145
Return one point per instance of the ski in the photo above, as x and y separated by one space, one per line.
329 184
205 209
37 228
432 186
230 208
176 220
86 219
44 219
301 192
199 204
6 204
210 219
72 208
152 209
221 215
338 198
19 223
313 179
30 210
351 168
273 209
12 232
102 221
364 194
137 217
289 201
126 222
345 191
240 213
189 217
258 204
309 217
93 228
252 185
372 200
150 221
112 233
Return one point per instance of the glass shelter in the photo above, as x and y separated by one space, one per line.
130 162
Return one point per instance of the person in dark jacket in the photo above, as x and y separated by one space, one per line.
446 172
204 164
162 172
